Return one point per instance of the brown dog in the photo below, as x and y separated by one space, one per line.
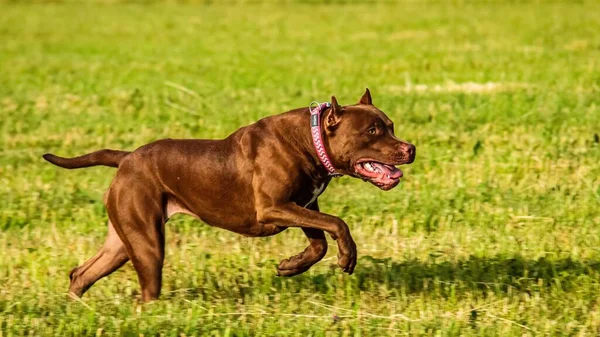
259 181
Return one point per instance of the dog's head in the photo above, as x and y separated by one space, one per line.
362 144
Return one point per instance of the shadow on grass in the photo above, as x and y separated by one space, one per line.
496 274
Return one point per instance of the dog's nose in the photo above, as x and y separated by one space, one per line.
410 150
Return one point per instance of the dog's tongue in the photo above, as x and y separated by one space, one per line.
389 170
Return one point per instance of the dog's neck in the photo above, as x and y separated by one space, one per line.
317 111
302 139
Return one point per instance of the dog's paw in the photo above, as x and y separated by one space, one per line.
302 262
347 257
347 263
290 272
292 266
293 262
284 266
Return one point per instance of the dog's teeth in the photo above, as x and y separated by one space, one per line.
368 166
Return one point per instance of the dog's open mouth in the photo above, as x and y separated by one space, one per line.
384 176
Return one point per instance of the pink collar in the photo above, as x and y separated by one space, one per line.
316 109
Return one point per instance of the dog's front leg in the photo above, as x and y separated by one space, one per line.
300 263
317 249
292 215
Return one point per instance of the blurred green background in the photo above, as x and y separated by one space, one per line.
493 231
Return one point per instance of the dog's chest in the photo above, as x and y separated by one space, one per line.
316 192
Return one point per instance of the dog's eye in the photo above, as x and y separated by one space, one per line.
372 130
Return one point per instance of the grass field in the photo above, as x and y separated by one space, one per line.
495 229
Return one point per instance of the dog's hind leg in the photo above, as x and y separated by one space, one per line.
138 213
109 258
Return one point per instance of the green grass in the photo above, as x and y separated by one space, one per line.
495 229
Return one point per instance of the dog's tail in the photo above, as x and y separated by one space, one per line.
104 157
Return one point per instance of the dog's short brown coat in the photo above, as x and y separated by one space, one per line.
259 181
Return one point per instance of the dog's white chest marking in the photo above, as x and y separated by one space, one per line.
316 193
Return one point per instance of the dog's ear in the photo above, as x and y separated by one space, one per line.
334 115
366 98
